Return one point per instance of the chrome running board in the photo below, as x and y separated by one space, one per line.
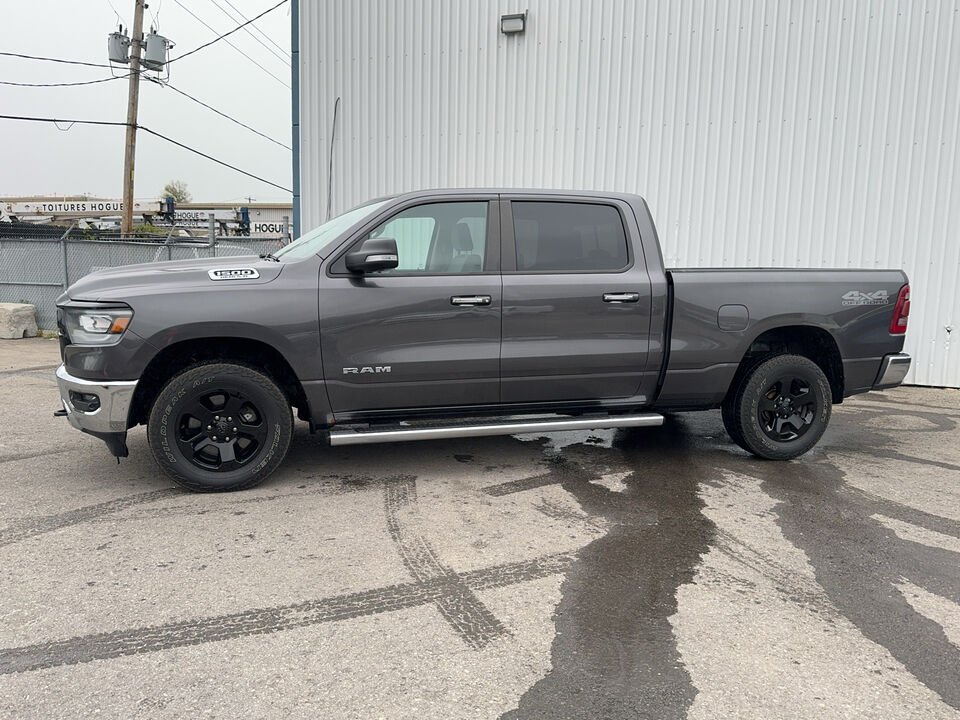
436 432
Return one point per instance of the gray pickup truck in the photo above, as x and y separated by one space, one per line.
455 313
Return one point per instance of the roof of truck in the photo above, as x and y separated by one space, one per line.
518 191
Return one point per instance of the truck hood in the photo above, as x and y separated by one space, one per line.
117 282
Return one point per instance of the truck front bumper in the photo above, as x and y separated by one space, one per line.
97 408
893 369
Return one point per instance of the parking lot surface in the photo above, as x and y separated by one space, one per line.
654 573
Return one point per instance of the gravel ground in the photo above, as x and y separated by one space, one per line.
653 573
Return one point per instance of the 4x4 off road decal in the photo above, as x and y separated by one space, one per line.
855 297
233 274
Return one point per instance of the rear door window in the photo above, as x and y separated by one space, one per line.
568 237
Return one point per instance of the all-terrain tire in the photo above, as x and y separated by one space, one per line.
780 408
728 414
219 427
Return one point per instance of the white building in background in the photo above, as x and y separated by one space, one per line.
255 219
762 133
267 220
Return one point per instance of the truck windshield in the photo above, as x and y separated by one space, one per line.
317 239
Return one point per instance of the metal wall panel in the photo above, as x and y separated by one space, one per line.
762 133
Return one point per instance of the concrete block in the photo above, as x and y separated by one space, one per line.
17 320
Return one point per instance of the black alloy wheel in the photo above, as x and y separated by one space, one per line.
779 407
221 430
220 426
787 409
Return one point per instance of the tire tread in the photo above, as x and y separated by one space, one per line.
263 381
745 427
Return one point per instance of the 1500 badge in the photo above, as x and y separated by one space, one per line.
233 274
855 297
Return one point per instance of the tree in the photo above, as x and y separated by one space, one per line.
177 189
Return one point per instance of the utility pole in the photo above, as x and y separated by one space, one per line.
133 98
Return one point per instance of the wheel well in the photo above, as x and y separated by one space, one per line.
810 342
179 356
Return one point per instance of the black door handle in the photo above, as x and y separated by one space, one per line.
621 297
470 300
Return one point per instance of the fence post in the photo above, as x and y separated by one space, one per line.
63 256
285 240
211 231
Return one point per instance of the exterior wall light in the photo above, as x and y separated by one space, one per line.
515 23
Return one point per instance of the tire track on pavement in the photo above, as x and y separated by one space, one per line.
458 604
141 640
32 526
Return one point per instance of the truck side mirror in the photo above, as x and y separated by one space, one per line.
374 254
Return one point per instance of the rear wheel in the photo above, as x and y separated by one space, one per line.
780 409
220 427
729 415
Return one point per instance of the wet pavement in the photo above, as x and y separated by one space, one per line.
659 573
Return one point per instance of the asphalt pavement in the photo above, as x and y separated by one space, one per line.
656 573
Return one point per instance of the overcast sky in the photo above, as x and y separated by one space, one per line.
39 159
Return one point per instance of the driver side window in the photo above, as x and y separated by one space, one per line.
438 238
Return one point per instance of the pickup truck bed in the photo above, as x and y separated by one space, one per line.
719 313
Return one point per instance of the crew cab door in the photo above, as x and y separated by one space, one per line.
426 334
576 301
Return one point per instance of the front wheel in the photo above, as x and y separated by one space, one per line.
220 427
780 408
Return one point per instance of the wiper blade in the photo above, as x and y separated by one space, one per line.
269 256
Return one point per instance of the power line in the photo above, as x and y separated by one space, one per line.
269 49
221 113
151 132
61 120
269 39
156 18
227 41
229 32
185 94
56 60
115 12
69 84
210 157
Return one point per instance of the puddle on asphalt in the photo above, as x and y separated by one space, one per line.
554 443
615 654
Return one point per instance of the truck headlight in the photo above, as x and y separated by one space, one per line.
95 326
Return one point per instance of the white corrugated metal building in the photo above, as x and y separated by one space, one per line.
761 132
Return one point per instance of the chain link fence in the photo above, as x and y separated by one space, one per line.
38 269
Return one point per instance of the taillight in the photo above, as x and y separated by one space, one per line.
901 311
